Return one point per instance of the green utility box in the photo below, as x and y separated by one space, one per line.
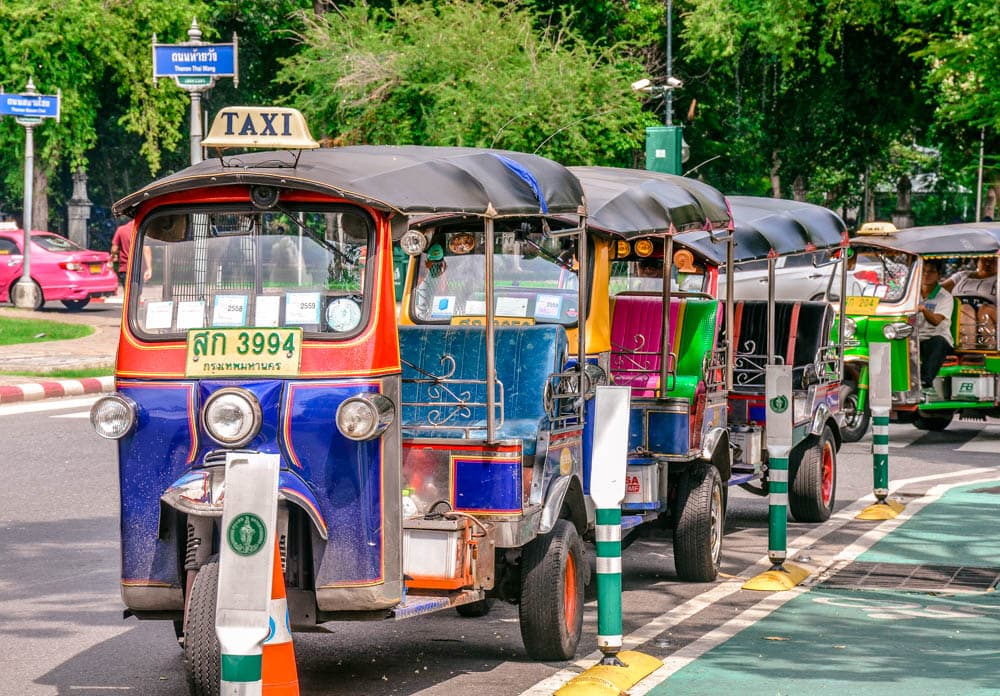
663 149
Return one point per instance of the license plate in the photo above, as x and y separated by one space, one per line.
243 352
863 306
96 267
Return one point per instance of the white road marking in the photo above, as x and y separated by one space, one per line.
47 405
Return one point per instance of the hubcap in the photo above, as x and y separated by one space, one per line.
569 593
827 465
716 519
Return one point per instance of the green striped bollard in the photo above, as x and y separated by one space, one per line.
880 399
607 488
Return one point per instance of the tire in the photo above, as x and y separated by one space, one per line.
553 575
936 423
474 610
202 655
76 305
39 303
699 522
855 422
812 484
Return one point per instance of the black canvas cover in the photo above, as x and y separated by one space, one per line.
963 238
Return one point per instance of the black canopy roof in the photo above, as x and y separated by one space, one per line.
965 238
633 202
408 179
766 226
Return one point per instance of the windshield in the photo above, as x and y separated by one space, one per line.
638 267
247 268
52 242
882 273
535 276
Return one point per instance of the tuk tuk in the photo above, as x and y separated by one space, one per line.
664 341
882 297
423 466
789 332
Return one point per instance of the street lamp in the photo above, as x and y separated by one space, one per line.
665 146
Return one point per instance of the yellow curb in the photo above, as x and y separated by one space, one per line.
611 680
887 510
777 579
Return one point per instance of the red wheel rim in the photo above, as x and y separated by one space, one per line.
570 607
827 464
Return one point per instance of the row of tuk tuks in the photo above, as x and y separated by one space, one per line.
436 451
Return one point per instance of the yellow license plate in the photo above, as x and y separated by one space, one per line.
497 321
243 352
865 306
95 268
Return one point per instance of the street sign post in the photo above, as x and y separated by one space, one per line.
29 109
880 396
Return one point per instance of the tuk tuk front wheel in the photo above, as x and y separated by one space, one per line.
699 522
856 420
936 423
551 602
813 480
202 656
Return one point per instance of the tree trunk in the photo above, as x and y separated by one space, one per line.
990 204
40 198
775 176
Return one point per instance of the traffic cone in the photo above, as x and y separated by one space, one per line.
279 676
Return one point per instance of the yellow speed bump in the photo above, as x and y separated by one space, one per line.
883 510
784 577
612 680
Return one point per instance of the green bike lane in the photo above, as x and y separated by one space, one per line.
876 638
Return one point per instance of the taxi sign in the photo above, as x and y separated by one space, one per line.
858 305
269 127
877 229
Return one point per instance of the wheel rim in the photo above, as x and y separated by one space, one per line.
716 520
827 464
851 414
570 607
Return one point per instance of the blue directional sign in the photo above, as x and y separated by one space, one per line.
190 60
30 106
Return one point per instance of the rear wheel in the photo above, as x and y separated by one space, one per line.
39 298
813 480
76 305
936 422
699 522
553 570
474 610
856 420
202 655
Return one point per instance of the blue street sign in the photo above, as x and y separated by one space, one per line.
180 60
33 106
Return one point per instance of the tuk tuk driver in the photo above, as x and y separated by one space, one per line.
977 289
933 325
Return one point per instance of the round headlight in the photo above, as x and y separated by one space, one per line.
113 416
850 327
413 243
365 416
897 330
232 416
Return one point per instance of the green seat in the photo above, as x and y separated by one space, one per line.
698 320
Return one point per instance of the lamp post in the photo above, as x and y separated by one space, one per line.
25 290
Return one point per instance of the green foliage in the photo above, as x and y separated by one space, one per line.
465 73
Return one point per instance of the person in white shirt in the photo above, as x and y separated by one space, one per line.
977 289
933 324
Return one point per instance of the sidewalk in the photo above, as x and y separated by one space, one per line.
95 351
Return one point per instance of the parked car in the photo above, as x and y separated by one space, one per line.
61 269
797 277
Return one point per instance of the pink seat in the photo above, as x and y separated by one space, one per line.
635 340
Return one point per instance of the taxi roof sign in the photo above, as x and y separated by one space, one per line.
877 229
267 127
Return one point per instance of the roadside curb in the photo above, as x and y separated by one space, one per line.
46 389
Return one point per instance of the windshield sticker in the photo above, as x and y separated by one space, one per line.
475 307
267 310
229 310
512 306
548 307
302 308
191 314
443 306
159 315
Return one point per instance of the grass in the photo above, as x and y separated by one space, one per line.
64 374
14 331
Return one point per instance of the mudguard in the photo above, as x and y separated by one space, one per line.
566 489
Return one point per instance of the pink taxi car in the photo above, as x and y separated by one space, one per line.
60 268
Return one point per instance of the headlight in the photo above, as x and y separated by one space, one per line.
413 243
113 417
850 327
365 416
897 330
594 376
231 416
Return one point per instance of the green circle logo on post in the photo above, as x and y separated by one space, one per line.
246 534
779 404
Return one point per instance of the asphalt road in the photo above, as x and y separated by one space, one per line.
62 630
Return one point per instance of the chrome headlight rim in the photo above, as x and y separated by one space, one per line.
850 327
253 409
897 329
380 414
129 410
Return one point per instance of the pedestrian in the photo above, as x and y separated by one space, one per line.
121 246
933 325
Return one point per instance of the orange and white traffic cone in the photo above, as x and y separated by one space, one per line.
279 676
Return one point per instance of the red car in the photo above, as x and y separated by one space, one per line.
61 269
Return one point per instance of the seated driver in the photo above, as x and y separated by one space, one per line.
977 290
